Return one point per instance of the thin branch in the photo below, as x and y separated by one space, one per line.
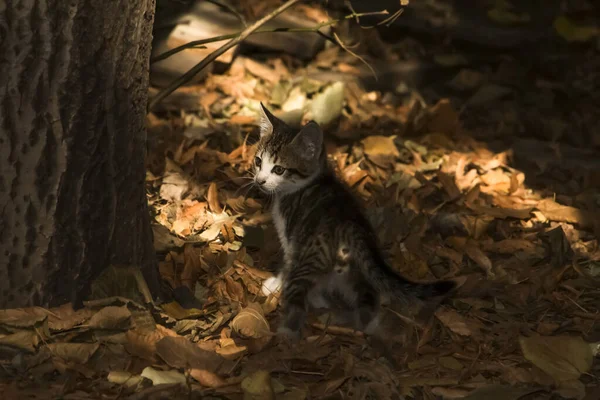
343 46
231 10
315 29
215 54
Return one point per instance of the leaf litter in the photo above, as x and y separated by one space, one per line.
447 185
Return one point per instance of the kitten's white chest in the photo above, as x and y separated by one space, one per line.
279 222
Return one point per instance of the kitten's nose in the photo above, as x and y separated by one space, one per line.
261 181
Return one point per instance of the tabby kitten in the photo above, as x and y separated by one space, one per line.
331 254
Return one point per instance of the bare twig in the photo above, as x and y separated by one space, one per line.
316 29
343 46
215 54
231 10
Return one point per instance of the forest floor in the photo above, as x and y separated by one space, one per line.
487 169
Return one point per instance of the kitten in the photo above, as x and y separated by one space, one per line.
331 255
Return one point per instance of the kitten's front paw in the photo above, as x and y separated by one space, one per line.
272 285
288 334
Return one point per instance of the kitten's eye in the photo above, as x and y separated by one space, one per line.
278 169
257 161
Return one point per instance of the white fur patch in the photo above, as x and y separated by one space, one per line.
272 285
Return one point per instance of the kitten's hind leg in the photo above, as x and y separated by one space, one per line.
367 307
294 303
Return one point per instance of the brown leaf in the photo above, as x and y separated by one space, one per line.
443 118
212 196
207 378
111 318
454 321
511 246
22 317
78 353
179 352
250 322
500 392
64 317
24 340
564 358
352 174
142 343
192 267
474 252
327 387
449 184
380 146
261 71
230 350
257 386
557 212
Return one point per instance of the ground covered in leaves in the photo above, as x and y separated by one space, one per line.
491 173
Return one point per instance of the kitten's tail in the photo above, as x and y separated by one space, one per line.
398 286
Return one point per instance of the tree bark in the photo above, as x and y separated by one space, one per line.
73 96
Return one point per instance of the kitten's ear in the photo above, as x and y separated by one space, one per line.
309 141
266 121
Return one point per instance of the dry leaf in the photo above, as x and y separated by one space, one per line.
250 322
212 196
78 353
380 146
124 378
454 321
111 318
179 352
207 378
474 252
562 357
499 392
159 377
22 317
572 32
192 266
23 340
142 343
257 386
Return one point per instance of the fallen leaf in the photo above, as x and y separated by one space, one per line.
377 145
22 317
192 266
327 106
572 32
142 343
257 386
454 321
25 340
111 318
562 357
557 212
474 252
212 196
179 352
506 17
250 322
327 387
78 353
207 378
159 377
230 350
124 378
500 392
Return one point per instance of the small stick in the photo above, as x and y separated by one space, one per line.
215 54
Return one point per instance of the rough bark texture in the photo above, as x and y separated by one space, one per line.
73 94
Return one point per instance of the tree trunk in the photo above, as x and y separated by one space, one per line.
73 94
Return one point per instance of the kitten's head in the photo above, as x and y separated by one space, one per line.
286 158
